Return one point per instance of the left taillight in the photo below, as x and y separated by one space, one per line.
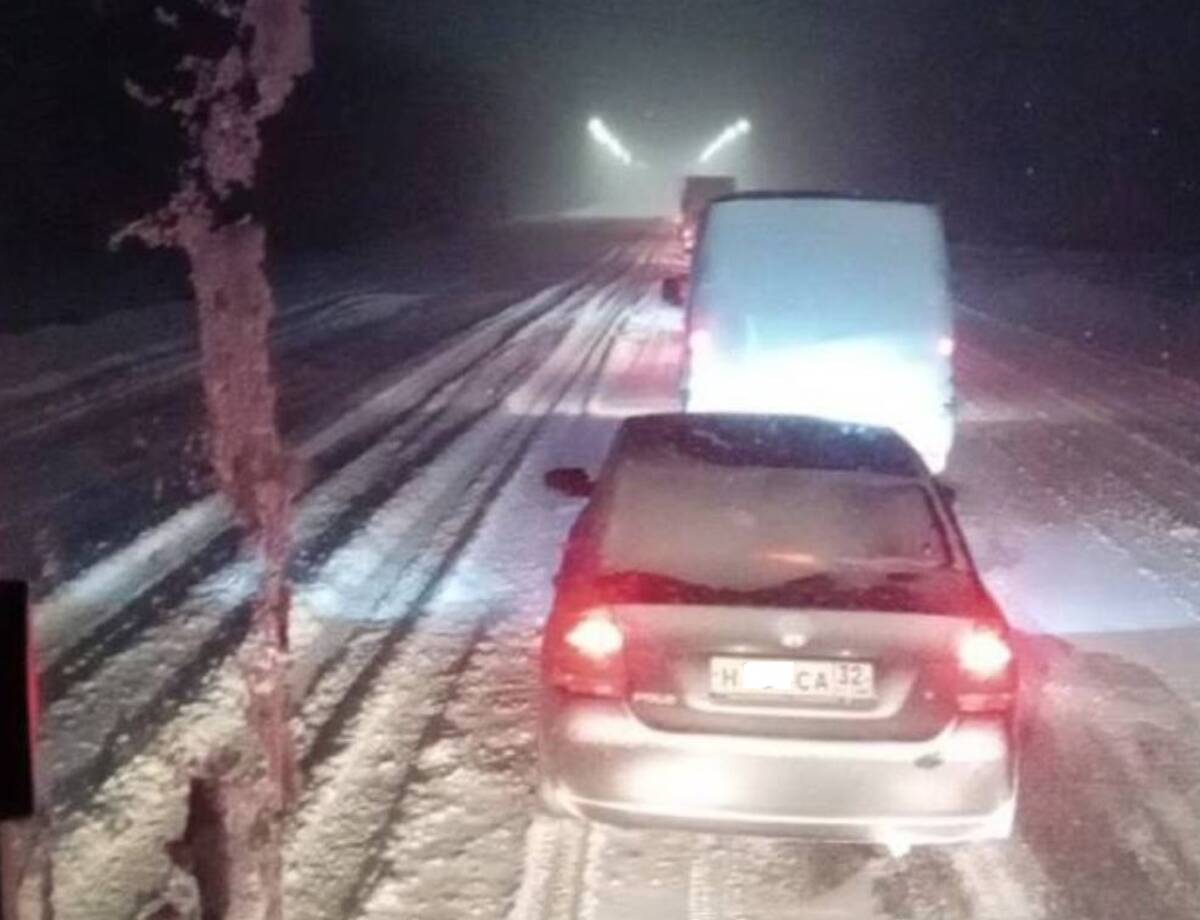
987 678
586 656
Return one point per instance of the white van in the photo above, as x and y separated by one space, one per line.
838 308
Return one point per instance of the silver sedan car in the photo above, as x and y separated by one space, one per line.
773 625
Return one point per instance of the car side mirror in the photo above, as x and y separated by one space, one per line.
572 481
18 692
672 290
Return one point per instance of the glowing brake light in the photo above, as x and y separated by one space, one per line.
984 654
596 637
586 657
987 677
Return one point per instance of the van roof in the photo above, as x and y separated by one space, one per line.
810 195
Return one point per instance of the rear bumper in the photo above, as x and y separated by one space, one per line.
601 763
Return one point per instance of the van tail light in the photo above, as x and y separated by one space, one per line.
987 672
586 656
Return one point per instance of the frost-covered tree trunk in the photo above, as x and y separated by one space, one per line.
237 799
26 876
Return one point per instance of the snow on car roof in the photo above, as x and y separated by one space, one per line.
777 441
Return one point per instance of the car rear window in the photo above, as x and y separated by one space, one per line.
746 527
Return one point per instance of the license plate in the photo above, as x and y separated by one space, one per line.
811 679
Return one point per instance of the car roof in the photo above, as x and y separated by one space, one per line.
791 441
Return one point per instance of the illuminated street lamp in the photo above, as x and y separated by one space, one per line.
726 137
609 141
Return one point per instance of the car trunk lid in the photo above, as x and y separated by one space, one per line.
791 671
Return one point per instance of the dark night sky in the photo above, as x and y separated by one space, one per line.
1073 122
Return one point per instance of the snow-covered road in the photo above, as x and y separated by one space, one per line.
425 414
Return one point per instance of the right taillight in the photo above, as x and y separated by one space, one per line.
586 656
987 672
984 653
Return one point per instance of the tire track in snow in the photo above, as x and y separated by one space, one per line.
125 469
558 855
460 812
757 878
706 882
204 623
213 618
1153 407
161 365
1002 880
334 829
1031 875
1150 741
396 578
171 744
1106 491
112 584
463 818
335 757
1162 462
124 466
924 885
1104 847
1088 763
